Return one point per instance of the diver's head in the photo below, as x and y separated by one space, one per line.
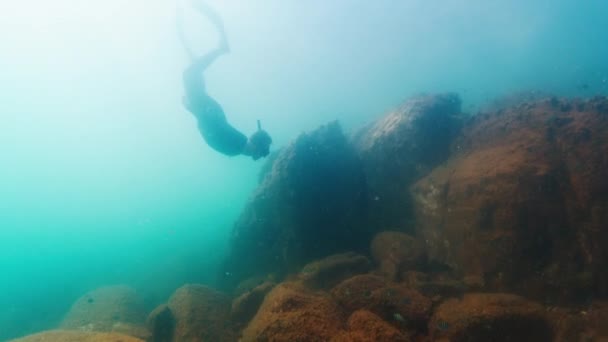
258 145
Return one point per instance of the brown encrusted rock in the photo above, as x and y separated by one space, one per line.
291 313
568 325
310 204
580 324
201 314
112 308
161 324
328 272
402 146
393 302
597 316
490 317
365 326
245 306
355 293
521 205
77 336
396 253
434 285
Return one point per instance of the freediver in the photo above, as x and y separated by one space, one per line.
212 123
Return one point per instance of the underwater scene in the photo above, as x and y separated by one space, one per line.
285 170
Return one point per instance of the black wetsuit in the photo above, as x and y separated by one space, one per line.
212 123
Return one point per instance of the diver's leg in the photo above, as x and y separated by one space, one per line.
216 20
193 75
182 34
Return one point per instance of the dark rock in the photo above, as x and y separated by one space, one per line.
201 314
328 272
311 204
161 324
490 317
396 253
251 283
291 313
245 306
436 286
401 147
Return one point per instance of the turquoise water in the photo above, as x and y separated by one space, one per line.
104 177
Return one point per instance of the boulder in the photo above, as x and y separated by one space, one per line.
396 253
490 317
402 146
365 326
77 336
201 314
522 204
311 204
161 324
292 313
246 305
395 303
356 293
328 272
436 286
112 308
580 324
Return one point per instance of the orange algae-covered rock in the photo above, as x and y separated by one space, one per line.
580 324
392 302
521 203
396 253
328 272
77 336
365 326
356 293
112 308
201 314
291 313
490 317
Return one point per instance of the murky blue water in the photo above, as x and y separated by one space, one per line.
104 177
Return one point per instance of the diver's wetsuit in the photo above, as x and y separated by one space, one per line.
212 123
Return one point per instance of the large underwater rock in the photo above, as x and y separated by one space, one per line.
108 309
393 302
580 324
245 306
396 252
77 336
365 326
201 314
330 271
402 146
490 317
522 204
310 204
292 313
161 324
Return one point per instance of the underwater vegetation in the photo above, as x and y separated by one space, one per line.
428 224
